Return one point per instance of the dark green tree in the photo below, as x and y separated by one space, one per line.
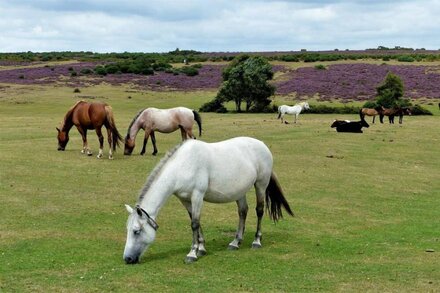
246 80
390 92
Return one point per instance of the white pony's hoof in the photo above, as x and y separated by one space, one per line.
190 259
201 253
256 245
99 156
232 247
110 157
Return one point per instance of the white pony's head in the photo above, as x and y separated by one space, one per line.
306 106
141 232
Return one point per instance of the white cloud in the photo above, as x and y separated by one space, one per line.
220 25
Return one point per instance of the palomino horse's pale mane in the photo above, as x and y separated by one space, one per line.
157 170
132 122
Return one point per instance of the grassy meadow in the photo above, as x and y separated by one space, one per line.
367 205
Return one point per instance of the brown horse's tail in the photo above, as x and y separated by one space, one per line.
198 120
275 199
116 136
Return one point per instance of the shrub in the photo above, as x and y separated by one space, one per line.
100 70
189 70
73 73
370 104
289 58
76 90
86 71
320 67
405 58
213 106
419 110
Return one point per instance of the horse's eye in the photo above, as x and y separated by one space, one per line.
137 232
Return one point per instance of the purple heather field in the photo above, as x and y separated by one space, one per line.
340 81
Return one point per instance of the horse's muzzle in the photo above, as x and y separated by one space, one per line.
131 260
61 148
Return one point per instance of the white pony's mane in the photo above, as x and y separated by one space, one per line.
157 170
132 121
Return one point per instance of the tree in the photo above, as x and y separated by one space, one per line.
390 92
246 80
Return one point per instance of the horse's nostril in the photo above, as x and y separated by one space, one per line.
131 260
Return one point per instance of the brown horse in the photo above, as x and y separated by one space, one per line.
162 120
370 112
84 116
392 112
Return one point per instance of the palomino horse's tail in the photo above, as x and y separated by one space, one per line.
116 136
361 114
199 121
275 199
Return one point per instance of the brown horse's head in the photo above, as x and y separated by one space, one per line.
129 146
63 139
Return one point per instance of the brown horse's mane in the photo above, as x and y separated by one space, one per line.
157 170
69 113
132 122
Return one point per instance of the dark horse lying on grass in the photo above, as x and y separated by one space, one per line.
349 126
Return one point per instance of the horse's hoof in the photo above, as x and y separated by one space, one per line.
190 259
256 245
232 247
99 156
110 158
154 154
201 253
89 154
142 153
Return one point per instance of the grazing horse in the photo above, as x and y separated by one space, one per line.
162 120
295 110
84 116
370 112
197 171
349 126
396 111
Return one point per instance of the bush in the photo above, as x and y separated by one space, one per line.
86 71
289 58
320 67
213 106
100 70
73 73
76 90
419 110
405 58
370 105
324 109
189 70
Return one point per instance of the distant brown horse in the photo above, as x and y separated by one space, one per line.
84 116
392 112
370 112
162 120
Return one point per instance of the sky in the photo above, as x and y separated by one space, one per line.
216 26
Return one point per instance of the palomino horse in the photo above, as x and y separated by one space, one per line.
370 112
162 120
197 171
391 112
84 116
295 110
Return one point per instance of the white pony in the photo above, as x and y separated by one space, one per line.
197 171
295 110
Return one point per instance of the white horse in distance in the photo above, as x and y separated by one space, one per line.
295 110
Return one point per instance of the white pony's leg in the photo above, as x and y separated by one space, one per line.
202 250
260 193
196 208
296 117
242 213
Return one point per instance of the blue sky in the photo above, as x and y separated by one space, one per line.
218 25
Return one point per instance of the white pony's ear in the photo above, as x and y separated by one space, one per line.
129 209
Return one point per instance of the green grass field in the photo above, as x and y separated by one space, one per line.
367 205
